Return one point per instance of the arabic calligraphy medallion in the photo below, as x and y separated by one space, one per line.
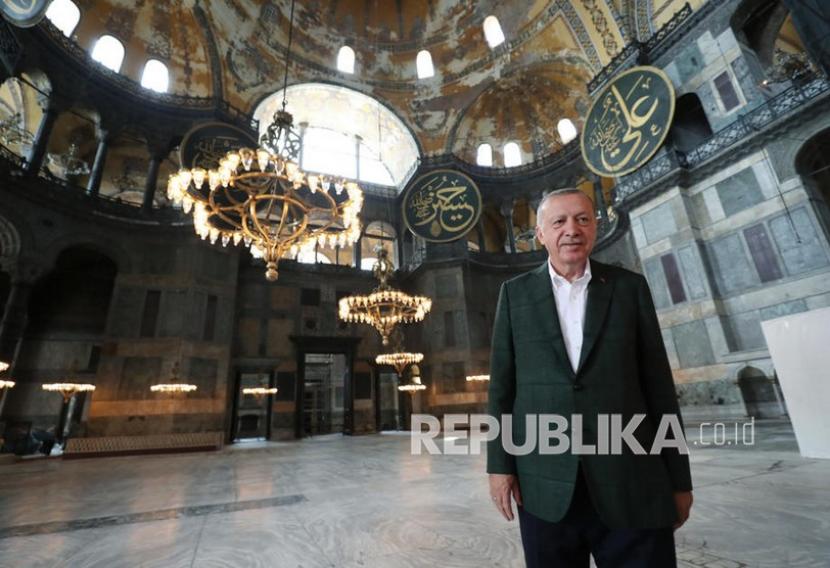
24 13
628 122
441 206
207 143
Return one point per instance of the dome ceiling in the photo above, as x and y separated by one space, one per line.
235 49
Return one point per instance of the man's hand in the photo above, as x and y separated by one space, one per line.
683 501
502 487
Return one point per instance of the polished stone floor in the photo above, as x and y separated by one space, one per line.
366 502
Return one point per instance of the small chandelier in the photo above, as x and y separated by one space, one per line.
68 389
478 378
12 133
384 308
261 197
259 392
174 386
399 361
68 164
415 384
3 383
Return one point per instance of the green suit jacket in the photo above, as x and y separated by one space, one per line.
623 369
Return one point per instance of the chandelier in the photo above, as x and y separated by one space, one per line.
478 378
174 386
68 389
259 392
11 133
414 384
68 164
261 197
399 361
3 383
384 308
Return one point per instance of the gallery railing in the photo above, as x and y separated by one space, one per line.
759 120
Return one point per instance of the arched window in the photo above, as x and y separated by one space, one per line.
109 52
356 137
329 151
155 76
312 256
484 155
512 155
567 130
492 31
424 64
345 59
378 234
65 15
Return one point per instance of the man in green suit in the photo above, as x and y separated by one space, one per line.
580 339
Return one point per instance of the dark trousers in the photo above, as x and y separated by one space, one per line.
568 543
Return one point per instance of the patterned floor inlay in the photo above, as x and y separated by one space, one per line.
149 516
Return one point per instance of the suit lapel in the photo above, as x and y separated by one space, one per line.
542 296
600 290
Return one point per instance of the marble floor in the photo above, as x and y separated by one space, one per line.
366 502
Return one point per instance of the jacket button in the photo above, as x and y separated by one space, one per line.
577 387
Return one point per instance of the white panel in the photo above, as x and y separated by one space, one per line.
798 346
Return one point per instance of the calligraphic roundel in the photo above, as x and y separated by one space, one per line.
441 206
24 13
207 143
628 122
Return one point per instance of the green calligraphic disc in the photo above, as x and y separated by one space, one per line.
441 206
628 122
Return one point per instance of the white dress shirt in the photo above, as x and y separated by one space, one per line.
571 298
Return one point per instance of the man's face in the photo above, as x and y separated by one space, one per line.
567 228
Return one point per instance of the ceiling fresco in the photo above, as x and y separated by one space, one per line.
235 49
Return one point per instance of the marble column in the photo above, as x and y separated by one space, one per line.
15 318
93 186
812 19
599 200
357 252
507 212
151 183
34 161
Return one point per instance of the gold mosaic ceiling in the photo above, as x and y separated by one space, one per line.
235 49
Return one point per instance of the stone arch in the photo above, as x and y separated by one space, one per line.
9 244
107 247
760 393
525 106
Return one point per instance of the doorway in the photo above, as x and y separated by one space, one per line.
388 404
325 376
252 414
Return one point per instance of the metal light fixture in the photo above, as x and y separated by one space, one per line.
261 197
11 133
478 378
400 360
414 384
174 386
68 164
259 392
385 307
3 383
68 390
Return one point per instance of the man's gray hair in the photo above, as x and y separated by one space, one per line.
556 193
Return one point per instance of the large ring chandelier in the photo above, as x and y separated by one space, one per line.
264 201
384 308
261 197
400 360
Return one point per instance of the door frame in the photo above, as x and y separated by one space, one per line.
325 345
